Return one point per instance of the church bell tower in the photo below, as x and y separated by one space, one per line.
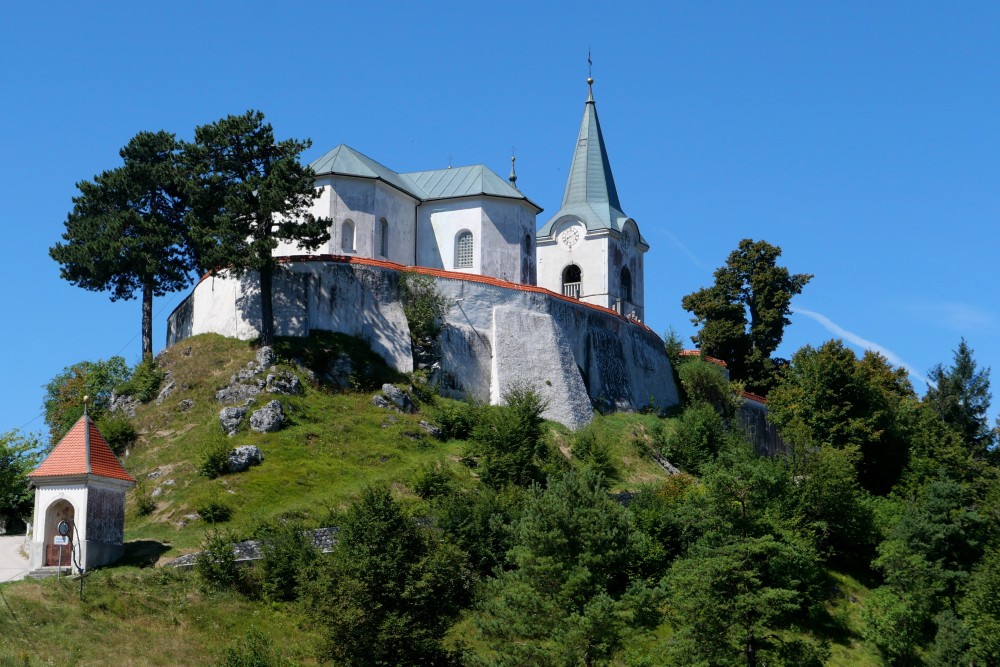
590 249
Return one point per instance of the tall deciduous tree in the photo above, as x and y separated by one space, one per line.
125 233
250 192
19 454
960 394
744 314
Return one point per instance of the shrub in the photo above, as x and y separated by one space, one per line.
214 460
288 557
216 564
433 481
455 418
119 431
423 306
508 439
144 383
213 510
144 502
698 437
704 382
254 650
594 451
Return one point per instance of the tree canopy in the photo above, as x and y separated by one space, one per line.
125 232
248 192
744 314
960 395
19 455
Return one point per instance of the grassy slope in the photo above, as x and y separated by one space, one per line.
333 444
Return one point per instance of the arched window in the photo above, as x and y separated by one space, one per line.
626 282
383 237
571 278
463 250
347 236
527 244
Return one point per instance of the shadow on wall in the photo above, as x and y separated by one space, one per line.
752 418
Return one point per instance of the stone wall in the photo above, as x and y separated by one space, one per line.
496 333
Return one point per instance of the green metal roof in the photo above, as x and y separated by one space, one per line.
345 161
590 193
464 182
423 185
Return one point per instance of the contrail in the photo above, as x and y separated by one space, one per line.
855 339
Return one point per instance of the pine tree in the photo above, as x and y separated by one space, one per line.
125 233
248 192
960 394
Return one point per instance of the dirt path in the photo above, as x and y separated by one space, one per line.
13 565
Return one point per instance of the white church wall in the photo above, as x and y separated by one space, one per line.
620 364
506 223
571 244
400 213
321 209
438 226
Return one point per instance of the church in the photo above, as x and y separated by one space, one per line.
559 307
471 220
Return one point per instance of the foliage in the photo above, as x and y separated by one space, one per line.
253 650
248 193
63 401
570 596
698 436
126 233
663 513
288 557
750 285
743 592
119 432
213 510
388 592
480 523
145 504
216 562
704 382
215 460
423 306
455 418
19 455
434 481
830 397
326 353
960 395
508 439
981 609
591 446
144 383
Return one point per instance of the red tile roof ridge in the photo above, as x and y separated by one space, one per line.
82 451
451 275
754 397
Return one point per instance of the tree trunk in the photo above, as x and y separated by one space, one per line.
147 321
266 307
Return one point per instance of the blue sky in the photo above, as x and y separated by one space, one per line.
860 137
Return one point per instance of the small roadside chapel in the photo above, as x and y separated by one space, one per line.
79 520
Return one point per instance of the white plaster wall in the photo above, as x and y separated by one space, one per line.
321 209
76 494
621 365
438 223
400 211
506 223
590 253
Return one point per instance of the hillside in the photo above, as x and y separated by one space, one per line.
334 443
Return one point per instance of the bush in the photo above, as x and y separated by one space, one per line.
216 564
254 650
508 439
423 306
594 451
455 418
144 383
214 460
433 481
699 435
144 502
119 432
288 557
704 382
213 510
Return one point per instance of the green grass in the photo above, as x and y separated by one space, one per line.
140 617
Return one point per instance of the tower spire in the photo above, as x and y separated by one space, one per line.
513 176
590 77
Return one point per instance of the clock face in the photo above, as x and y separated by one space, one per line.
625 240
570 237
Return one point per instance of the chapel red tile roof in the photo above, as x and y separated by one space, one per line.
82 451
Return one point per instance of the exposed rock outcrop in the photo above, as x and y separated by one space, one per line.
268 419
242 458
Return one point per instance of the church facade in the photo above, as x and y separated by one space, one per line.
470 220
559 308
